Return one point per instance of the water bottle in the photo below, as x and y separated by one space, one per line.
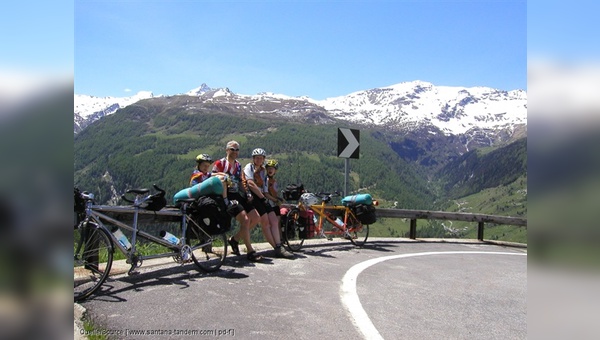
121 237
339 222
169 237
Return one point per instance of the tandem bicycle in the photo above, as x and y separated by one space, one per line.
95 244
314 217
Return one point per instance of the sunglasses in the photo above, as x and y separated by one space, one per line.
232 149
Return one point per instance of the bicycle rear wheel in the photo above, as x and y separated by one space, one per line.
211 256
359 233
294 232
92 260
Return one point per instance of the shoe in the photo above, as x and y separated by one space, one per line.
281 252
253 256
235 246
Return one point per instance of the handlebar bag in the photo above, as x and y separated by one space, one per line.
293 192
156 202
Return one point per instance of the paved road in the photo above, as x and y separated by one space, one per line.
390 289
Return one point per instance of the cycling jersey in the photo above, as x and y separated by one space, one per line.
258 175
234 170
273 188
199 177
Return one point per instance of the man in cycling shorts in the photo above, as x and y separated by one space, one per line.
248 217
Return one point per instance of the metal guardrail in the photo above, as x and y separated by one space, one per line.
171 214
481 219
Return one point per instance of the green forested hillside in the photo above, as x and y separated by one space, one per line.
151 142
482 169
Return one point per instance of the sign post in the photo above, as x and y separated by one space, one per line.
348 147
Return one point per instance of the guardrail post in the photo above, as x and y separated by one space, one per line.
480 231
413 229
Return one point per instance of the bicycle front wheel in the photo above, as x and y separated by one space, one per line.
359 233
92 260
210 254
294 231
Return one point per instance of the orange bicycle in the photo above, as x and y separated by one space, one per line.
313 217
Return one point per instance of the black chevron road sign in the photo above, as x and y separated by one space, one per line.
348 143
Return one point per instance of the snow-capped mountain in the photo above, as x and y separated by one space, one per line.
404 107
89 109
199 90
453 110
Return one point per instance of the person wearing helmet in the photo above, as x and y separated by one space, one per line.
202 173
255 181
247 217
272 190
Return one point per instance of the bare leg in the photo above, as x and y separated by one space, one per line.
274 229
244 233
266 229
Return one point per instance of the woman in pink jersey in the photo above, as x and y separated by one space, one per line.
248 218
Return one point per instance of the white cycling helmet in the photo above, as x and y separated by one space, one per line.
259 152
308 199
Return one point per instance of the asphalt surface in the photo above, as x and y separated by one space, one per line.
390 289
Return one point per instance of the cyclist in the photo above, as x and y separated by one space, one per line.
202 173
274 201
255 182
248 217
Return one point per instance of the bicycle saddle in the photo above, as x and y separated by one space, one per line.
138 191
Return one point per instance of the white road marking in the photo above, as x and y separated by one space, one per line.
350 299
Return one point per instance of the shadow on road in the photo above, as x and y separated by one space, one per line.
178 275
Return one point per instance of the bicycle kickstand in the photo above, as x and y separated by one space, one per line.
328 237
135 263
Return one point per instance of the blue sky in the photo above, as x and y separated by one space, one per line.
313 48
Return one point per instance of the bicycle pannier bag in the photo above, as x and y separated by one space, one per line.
283 219
307 219
365 213
210 212
293 192
79 207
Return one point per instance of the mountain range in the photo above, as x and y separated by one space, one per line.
421 146
481 116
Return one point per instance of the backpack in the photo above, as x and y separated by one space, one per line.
210 213
365 213
293 192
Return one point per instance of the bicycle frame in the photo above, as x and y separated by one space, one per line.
294 232
93 237
321 210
